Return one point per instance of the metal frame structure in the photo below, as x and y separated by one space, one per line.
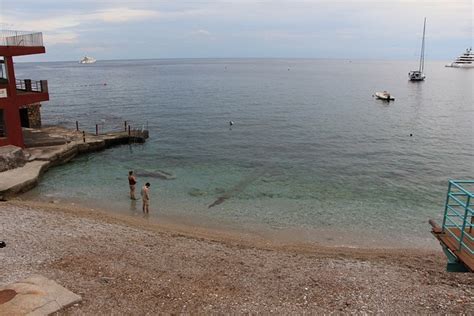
456 235
457 212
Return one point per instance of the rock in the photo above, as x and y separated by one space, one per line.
219 190
197 192
159 174
11 157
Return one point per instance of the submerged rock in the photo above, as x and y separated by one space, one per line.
159 174
238 188
219 190
197 192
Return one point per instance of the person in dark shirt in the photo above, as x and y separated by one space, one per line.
132 181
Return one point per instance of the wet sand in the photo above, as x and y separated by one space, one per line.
130 265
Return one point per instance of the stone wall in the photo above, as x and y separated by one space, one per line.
34 115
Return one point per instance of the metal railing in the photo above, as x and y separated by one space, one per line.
101 126
459 214
29 85
20 38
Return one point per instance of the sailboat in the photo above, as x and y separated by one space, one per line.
418 75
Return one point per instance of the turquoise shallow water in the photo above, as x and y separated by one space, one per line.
311 150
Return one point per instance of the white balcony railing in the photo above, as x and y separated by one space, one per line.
20 38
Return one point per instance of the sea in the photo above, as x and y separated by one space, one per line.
311 156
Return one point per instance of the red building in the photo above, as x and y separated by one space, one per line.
18 97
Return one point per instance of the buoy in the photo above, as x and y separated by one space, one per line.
231 123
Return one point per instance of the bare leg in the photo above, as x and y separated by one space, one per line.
132 193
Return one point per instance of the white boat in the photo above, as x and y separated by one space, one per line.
418 75
384 95
466 60
87 60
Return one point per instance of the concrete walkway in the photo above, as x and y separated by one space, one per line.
39 137
36 295
21 179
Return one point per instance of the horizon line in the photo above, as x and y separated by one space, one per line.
237 58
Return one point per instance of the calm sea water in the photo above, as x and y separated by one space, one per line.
312 155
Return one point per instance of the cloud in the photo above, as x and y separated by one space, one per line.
64 29
201 32
312 26
95 48
60 38
44 25
115 15
118 15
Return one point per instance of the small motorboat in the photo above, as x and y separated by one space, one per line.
384 96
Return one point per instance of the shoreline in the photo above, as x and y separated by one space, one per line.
326 237
127 265
228 237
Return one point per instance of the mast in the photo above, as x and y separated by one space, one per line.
422 55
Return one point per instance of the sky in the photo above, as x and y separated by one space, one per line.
146 29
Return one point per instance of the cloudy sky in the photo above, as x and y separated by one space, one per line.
373 29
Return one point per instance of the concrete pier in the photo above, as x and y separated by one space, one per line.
52 146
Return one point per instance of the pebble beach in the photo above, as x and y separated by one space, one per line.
125 265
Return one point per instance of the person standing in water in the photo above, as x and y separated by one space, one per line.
145 197
132 181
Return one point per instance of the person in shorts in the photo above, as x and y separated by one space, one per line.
146 197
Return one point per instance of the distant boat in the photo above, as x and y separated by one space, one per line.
87 60
384 95
418 75
466 60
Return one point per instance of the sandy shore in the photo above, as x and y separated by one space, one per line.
125 265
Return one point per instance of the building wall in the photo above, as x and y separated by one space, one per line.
14 135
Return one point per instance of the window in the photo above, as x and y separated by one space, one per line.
3 132
3 70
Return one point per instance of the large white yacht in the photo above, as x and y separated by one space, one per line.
466 60
87 60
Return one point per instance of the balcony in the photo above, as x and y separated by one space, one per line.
30 91
21 38
28 85
18 43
